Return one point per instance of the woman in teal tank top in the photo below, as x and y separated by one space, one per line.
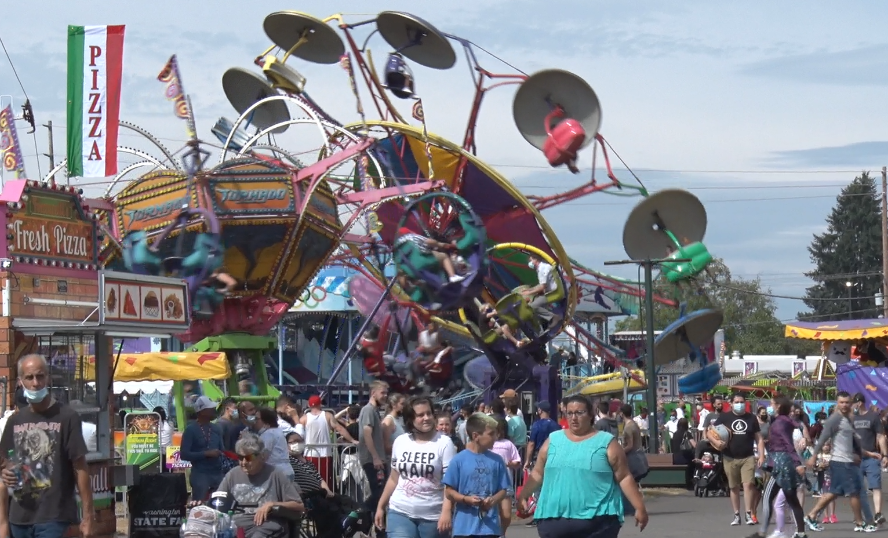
584 475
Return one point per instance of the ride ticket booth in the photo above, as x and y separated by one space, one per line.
58 303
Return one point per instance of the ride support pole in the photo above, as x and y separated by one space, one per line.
354 344
650 373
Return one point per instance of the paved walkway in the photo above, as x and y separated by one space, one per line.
681 515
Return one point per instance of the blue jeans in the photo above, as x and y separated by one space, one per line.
398 525
865 509
203 483
54 529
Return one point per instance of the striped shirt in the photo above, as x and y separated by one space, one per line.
307 476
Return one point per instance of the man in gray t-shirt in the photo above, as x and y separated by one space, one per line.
371 449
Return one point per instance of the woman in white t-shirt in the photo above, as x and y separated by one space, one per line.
414 494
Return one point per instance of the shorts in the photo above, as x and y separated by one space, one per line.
872 472
740 471
398 525
845 479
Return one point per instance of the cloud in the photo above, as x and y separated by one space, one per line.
857 154
863 66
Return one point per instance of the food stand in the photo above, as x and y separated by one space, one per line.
55 301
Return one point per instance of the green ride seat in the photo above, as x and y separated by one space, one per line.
472 236
489 336
413 261
206 250
696 252
141 258
513 308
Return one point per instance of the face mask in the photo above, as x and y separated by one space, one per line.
250 418
699 407
770 410
295 447
234 414
530 264
739 407
36 396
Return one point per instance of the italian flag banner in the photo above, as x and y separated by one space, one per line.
95 64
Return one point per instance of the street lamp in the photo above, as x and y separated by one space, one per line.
848 285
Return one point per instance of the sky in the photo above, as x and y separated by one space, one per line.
764 113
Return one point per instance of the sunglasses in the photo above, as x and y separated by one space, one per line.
247 458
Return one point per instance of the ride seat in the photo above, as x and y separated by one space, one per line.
138 257
473 236
204 257
696 252
414 262
513 309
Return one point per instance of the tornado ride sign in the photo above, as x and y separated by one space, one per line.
95 66
142 441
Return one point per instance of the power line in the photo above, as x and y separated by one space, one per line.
12 65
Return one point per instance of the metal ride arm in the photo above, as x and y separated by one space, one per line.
545 202
354 344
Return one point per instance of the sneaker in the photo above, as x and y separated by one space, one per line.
800 535
826 520
750 519
457 278
833 519
816 495
777 534
755 520
736 520
879 519
812 524
865 527
530 524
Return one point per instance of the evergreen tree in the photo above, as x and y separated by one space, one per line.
751 325
849 251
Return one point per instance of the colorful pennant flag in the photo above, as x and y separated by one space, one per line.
175 92
95 66
10 151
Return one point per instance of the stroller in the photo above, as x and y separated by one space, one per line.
709 473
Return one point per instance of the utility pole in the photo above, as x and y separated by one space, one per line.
884 240
51 154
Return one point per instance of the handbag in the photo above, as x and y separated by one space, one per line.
686 442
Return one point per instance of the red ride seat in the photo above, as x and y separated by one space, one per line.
563 142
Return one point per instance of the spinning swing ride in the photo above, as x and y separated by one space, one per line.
250 232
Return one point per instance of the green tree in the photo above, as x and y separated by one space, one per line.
849 251
750 323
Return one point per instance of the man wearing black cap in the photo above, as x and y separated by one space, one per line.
539 433
868 426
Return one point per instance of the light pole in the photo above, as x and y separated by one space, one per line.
848 285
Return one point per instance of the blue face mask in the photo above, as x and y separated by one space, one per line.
36 396
739 407
770 411
250 418
234 414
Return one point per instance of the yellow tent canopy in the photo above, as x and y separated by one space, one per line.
163 366
856 329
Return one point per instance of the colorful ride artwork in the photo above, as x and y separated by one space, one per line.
295 189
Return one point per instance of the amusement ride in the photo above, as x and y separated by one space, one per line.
433 233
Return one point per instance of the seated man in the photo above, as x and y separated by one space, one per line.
432 350
436 249
258 487
490 315
536 295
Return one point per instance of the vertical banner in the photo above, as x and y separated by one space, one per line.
10 151
95 66
142 442
175 92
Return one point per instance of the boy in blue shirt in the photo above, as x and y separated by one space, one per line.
476 483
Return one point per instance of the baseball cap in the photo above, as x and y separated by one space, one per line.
859 398
314 401
509 393
203 403
544 407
